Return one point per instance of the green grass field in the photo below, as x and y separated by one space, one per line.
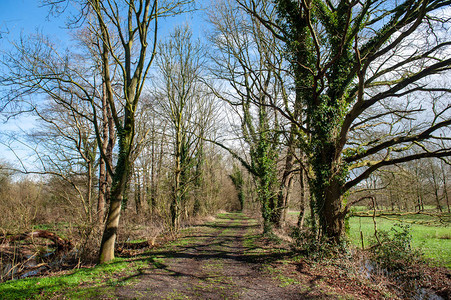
428 234
433 240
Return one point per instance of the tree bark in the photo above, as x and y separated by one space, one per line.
117 192
104 147
287 181
303 197
445 186
138 203
332 215
176 196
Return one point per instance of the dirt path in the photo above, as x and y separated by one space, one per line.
216 261
224 259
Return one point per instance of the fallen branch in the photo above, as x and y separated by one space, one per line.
387 215
363 214
61 244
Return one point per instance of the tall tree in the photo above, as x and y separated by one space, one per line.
128 34
248 60
361 68
182 97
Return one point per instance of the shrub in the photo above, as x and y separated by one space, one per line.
307 242
393 251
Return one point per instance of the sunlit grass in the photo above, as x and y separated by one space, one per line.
429 234
433 241
69 284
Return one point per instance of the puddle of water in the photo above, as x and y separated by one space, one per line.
9 271
370 268
33 272
427 294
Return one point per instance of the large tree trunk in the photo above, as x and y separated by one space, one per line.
332 217
112 221
286 182
117 190
327 188
138 203
303 197
176 196
101 201
107 145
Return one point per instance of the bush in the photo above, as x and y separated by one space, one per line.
305 241
393 251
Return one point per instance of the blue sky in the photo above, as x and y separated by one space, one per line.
26 16
22 17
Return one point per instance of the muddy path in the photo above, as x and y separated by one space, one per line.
218 260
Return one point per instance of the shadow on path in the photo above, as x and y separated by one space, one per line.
218 260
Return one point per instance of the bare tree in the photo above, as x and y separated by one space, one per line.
67 147
127 31
248 60
188 108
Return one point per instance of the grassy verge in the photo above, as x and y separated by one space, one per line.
100 280
82 283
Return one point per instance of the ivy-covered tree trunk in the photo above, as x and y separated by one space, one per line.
265 163
329 173
198 178
324 114
117 190
303 196
181 179
238 182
